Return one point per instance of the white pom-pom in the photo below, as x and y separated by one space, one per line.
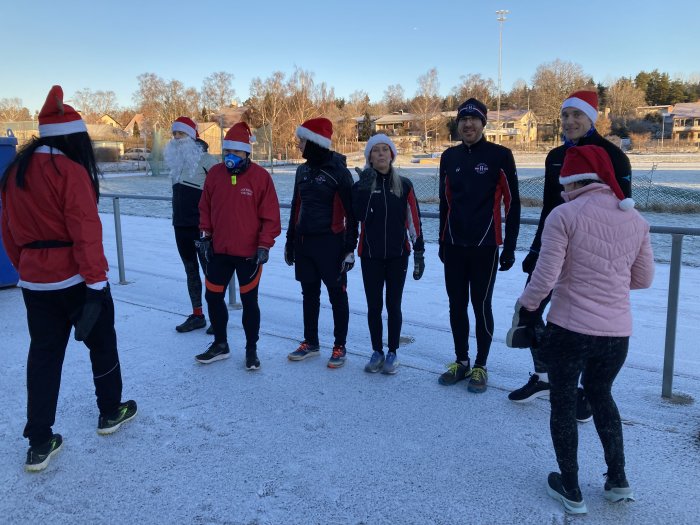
626 204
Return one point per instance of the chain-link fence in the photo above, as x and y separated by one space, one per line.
648 195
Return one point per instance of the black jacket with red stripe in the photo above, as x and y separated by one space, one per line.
322 202
390 223
475 181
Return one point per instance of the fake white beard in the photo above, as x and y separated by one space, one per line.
182 157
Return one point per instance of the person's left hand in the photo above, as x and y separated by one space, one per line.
348 263
507 259
261 256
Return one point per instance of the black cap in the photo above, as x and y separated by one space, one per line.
474 108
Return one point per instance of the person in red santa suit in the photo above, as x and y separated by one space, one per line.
239 218
53 236
189 164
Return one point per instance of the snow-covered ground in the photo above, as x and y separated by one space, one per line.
301 443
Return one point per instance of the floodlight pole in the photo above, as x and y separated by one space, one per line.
501 17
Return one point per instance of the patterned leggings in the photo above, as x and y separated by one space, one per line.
568 354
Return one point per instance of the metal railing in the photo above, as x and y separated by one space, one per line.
676 233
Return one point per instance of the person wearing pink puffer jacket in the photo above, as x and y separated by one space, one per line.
595 249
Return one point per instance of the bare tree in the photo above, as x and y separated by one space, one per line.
267 102
11 110
162 102
394 98
426 103
624 97
217 91
474 85
551 84
518 97
94 104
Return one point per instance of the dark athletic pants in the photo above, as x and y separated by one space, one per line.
318 259
471 271
50 317
375 273
185 236
568 354
219 273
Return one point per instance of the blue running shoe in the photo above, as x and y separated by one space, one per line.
391 364
375 362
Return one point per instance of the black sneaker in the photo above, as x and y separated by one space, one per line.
583 407
251 359
455 372
571 500
617 489
193 322
110 424
216 352
533 388
38 457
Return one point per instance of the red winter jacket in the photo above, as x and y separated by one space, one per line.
53 206
241 212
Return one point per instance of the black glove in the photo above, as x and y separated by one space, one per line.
92 308
441 253
507 260
289 253
261 256
367 178
530 261
348 263
526 330
206 252
418 264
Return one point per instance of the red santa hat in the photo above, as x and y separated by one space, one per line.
592 163
586 101
379 138
317 130
186 125
239 138
57 118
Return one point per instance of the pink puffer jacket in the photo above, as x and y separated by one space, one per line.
592 254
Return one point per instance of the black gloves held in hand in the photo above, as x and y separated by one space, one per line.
507 259
92 308
529 262
418 264
526 330
261 256
289 253
206 252
348 263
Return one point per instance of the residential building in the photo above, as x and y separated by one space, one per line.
686 124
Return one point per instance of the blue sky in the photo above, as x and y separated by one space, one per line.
360 44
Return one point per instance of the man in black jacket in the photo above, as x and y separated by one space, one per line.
477 177
321 236
578 116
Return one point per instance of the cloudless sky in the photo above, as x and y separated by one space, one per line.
353 45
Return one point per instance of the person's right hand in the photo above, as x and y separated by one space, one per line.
289 253
529 262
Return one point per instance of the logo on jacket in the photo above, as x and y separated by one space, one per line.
247 191
320 178
481 168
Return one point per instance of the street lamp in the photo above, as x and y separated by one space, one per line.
501 17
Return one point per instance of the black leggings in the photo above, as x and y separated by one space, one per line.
50 317
471 270
568 354
219 274
184 238
376 272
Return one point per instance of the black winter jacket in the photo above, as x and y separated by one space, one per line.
322 202
474 182
389 224
552 166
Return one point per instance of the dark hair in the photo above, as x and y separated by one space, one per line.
76 146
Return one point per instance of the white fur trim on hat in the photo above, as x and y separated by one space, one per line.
238 146
579 177
63 128
575 102
307 134
626 204
379 138
189 130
